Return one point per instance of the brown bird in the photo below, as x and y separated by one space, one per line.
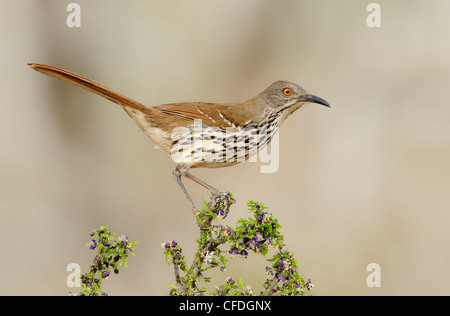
198 134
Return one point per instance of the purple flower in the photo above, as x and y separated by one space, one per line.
233 251
229 280
309 285
253 244
169 244
259 236
262 216
105 274
92 244
124 240
224 198
269 270
220 213
281 264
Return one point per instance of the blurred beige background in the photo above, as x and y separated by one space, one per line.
365 181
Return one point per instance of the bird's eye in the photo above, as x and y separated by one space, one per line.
287 91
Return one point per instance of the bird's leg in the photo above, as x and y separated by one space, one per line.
211 189
214 192
178 173
181 170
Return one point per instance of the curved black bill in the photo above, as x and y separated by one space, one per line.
314 99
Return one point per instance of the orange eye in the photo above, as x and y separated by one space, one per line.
287 91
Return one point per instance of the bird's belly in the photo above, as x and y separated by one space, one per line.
215 148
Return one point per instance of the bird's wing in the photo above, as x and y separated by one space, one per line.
210 114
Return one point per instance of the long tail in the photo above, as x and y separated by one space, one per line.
89 85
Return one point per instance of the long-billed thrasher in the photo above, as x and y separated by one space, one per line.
198 134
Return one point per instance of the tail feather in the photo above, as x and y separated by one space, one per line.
89 85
